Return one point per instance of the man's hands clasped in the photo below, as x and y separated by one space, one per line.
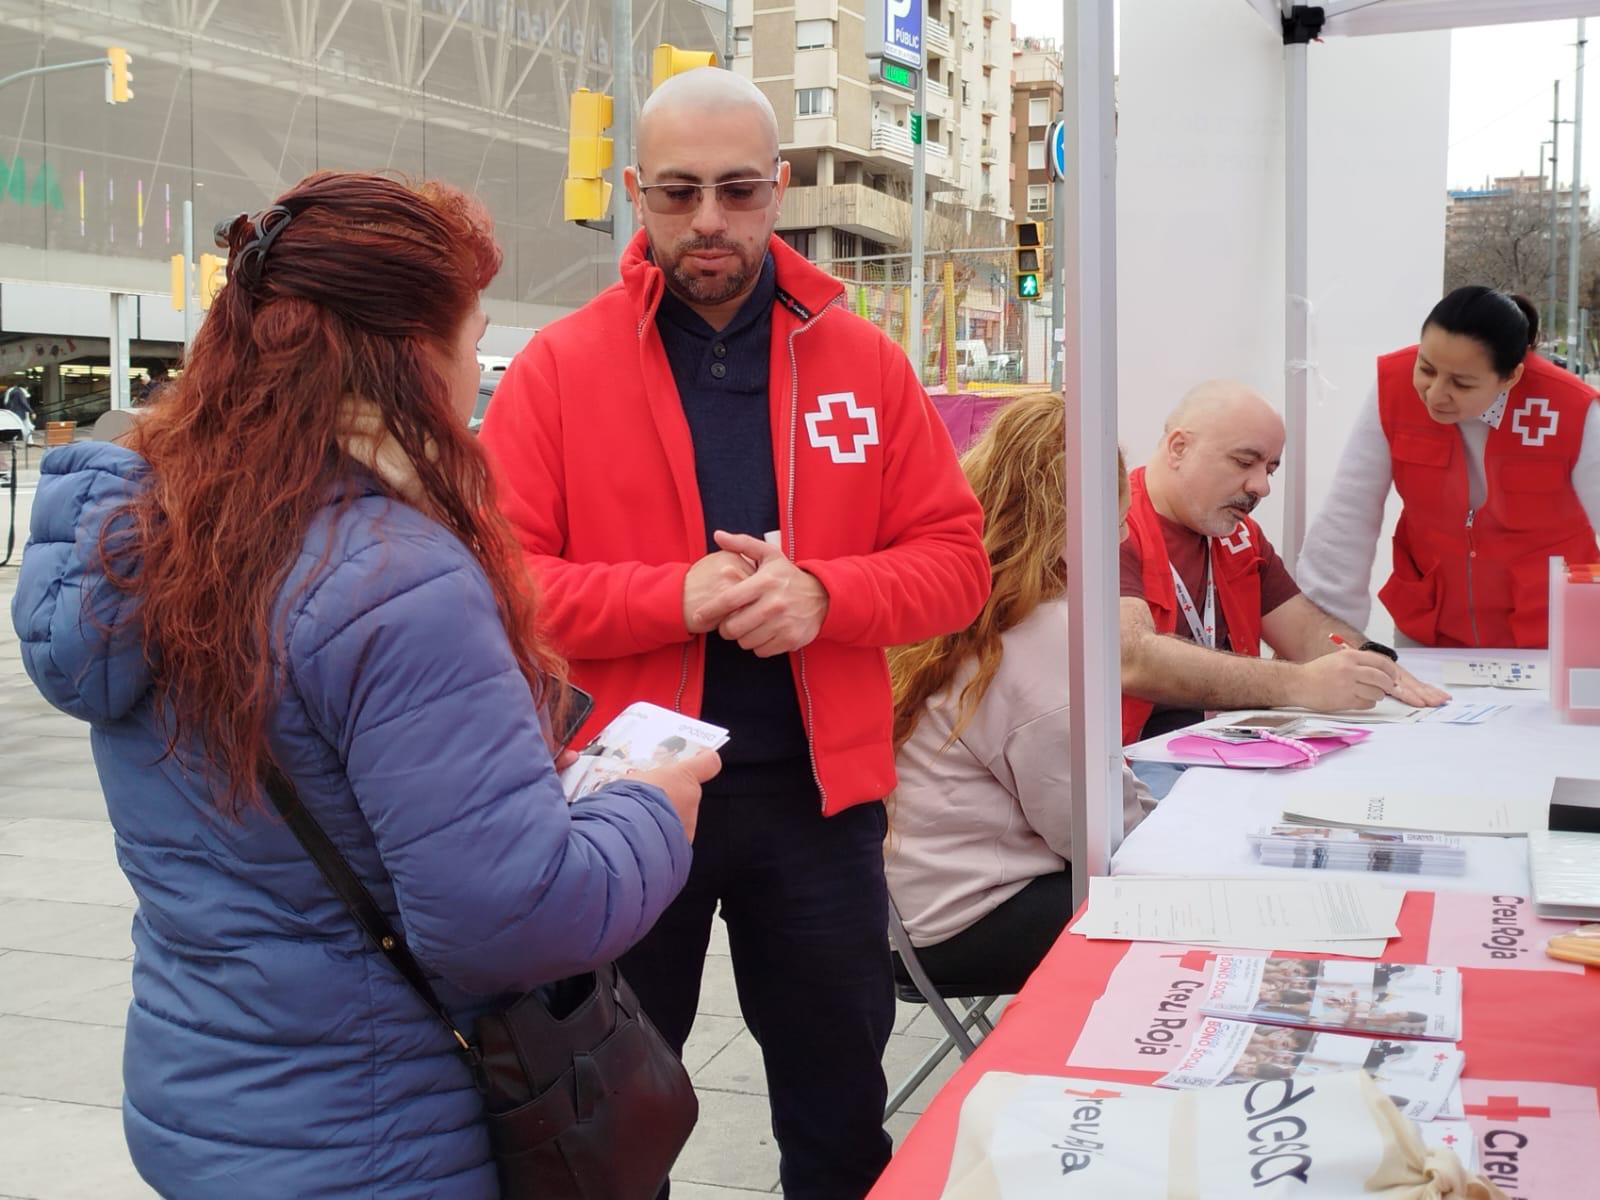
770 608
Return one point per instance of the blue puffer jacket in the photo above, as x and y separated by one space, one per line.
270 1051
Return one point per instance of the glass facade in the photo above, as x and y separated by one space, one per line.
235 100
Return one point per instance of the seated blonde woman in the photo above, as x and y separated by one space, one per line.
980 844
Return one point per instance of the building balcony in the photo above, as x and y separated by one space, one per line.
991 106
936 87
849 206
936 36
991 11
988 153
892 138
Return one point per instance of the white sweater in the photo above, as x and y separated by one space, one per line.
972 824
1335 567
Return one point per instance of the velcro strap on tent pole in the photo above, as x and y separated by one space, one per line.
1303 24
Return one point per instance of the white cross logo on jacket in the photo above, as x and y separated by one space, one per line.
1238 541
1535 432
828 430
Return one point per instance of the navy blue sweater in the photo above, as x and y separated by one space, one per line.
721 376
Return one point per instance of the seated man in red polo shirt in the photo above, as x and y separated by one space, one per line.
1202 588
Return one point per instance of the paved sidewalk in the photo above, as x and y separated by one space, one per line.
65 955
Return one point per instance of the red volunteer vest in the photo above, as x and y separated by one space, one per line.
1235 567
1480 578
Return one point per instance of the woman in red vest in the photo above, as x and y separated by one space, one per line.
1495 452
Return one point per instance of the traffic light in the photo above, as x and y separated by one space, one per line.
916 128
180 282
213 274
1028 271
587 195
119 79
668 61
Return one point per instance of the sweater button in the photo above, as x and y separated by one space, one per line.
718 370
720 349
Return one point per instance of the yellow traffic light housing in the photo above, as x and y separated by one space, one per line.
119 79
668 61
1029 272
587 194
213 274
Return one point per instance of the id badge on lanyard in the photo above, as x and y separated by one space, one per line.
1202 625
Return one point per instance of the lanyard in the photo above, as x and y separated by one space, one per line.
1202 626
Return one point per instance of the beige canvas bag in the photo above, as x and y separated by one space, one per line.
1328 1137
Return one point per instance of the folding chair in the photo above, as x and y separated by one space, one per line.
924 991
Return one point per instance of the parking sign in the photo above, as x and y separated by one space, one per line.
894 31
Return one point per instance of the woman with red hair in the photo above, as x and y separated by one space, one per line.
298 561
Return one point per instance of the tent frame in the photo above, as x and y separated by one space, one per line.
1090 325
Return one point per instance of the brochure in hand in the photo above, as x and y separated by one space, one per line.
1359 849
642 736
1389 1000
1417 1076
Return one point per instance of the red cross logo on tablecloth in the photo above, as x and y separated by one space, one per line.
1504 1108
830 430
1238 541
1449 1139
1532 428
1192 960
1440 1057
1097 1094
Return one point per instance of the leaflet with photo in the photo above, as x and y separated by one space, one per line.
642 736
1417 1076
1393 1000
1382 850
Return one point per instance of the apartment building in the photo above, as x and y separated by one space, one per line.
1466 207
1036 98
846 131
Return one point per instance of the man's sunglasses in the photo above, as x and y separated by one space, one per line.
734 195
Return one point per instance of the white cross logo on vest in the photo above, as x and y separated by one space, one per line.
829 430
1240 531
1535 432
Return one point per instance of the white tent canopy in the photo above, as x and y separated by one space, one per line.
1351 18
1089 218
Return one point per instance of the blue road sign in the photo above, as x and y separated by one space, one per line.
1056 150
902 31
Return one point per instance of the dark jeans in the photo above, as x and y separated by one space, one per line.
807 912
996 956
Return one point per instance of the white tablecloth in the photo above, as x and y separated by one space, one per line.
1201 826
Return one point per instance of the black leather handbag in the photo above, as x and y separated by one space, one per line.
584 1098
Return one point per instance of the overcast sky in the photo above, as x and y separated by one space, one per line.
1500 93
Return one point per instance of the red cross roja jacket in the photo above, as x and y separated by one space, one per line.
595 469
1236 566
1465 577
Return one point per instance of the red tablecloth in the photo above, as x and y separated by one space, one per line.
1124 1011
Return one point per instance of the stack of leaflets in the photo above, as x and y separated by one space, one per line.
1282 1018
1388 1000
643 736
1359 849
1419 1077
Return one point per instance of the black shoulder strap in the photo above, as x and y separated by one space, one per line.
349 889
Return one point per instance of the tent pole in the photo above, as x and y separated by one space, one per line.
1575 229
1296 305
1089 378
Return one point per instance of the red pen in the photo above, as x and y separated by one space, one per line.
1340 642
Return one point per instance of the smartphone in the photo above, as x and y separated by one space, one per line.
578 707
